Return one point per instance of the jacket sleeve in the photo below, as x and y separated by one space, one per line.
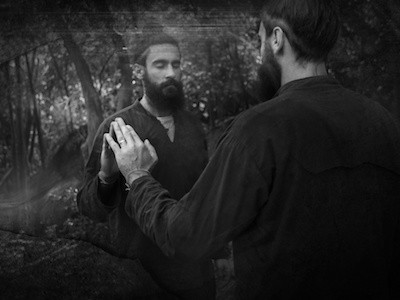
223 202
94 201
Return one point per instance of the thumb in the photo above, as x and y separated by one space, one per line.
151 149
105 144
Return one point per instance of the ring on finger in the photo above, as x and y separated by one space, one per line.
121 141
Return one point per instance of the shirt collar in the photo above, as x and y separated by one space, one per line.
140 108
306 81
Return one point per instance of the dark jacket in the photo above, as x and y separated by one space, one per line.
308 187
180 164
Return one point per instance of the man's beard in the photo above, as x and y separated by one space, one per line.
165 96
269 76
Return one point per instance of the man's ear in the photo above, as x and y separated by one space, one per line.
277 40
138 71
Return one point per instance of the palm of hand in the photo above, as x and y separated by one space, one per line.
108 163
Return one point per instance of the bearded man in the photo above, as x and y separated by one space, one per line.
305 184
160 118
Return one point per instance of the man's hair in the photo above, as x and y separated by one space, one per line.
311 26
151 39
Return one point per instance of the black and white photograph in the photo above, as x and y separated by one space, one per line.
233 149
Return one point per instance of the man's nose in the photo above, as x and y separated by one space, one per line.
171 72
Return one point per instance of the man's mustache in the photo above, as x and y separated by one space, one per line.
171 82
171 87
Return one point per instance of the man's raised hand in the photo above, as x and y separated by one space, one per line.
134 157
108 167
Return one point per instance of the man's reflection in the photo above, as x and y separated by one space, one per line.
159 117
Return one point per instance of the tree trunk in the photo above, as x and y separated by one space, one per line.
70 120
92 99
21 157
29 125
234 55
125 92
36 113
11 114
11 175
211 101
32 144
21 152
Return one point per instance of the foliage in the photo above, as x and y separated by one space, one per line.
219 46
367 56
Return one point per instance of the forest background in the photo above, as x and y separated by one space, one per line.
65 66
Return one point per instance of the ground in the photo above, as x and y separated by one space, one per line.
71 258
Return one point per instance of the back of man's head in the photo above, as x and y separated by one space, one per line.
311 26
150 39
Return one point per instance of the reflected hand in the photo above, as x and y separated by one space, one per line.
108 166
134 157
